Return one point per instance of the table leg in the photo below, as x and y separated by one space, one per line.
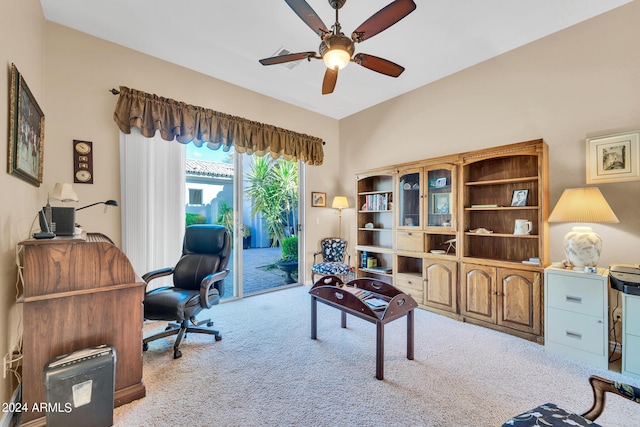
314 317
344 318
379 350
410 325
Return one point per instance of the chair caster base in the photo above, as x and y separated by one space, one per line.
218 337
177 354
145 346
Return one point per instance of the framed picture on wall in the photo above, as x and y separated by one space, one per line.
613 158
318 199
26 131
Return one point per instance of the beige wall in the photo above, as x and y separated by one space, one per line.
575 84
578 83
22 29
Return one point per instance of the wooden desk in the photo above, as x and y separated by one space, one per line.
328 291
79 292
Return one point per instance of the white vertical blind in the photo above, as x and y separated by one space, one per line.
152 184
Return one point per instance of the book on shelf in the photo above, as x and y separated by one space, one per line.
381 269
376 202
489 205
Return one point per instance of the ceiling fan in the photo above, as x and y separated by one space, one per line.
336 49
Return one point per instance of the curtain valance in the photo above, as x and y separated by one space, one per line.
187 123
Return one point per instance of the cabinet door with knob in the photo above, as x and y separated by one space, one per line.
441 284
576 315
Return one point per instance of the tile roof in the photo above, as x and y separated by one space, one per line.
211 169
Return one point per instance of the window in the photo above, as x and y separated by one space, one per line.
195 196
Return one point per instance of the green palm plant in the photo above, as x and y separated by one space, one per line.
272 185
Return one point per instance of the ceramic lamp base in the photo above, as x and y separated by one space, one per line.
582 247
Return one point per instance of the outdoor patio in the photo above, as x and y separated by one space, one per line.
257 277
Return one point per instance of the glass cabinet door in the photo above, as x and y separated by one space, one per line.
440 197
409 205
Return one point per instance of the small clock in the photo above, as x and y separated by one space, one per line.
82 162
83 175
83 147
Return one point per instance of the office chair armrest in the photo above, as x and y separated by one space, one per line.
207 283
601 386
157 273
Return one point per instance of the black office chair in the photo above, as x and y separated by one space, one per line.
197 284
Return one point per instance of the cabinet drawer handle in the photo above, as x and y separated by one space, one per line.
577 300
574 335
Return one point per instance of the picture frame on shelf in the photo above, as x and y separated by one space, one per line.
519 197
26 131
613 158
441 203
318 199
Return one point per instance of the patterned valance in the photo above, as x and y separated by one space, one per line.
187 123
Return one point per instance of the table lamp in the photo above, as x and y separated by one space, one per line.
582 246
340 202
64 193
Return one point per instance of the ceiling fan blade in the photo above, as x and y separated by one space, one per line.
383 19
379 65
280 59
329 82
308 15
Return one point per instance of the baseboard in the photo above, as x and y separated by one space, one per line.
10 419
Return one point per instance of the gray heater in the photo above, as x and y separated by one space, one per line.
79 388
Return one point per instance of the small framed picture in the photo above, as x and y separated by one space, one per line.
613 158
441 203
519 197
318 199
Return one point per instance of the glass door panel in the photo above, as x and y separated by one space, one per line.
409 200
440 198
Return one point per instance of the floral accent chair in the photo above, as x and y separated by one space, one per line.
550 414
335 259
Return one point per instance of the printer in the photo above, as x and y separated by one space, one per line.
625 277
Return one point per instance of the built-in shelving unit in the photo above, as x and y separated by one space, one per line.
448 236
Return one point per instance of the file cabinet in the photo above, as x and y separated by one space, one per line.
631 335
576 321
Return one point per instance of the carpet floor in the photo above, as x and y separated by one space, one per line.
267 371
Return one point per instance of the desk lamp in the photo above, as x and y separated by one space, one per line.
107 203
340 202
582 246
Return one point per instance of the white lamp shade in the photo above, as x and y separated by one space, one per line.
340 202
64 193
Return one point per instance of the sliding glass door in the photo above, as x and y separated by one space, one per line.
256 198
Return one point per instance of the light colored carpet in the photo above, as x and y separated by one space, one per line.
267 371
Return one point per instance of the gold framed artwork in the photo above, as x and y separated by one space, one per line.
26 131
318 199
613 158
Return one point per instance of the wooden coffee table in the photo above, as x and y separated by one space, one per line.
357 297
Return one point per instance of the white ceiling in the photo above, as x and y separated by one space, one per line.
225 40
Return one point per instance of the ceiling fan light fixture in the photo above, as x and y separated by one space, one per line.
336 57
336 51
